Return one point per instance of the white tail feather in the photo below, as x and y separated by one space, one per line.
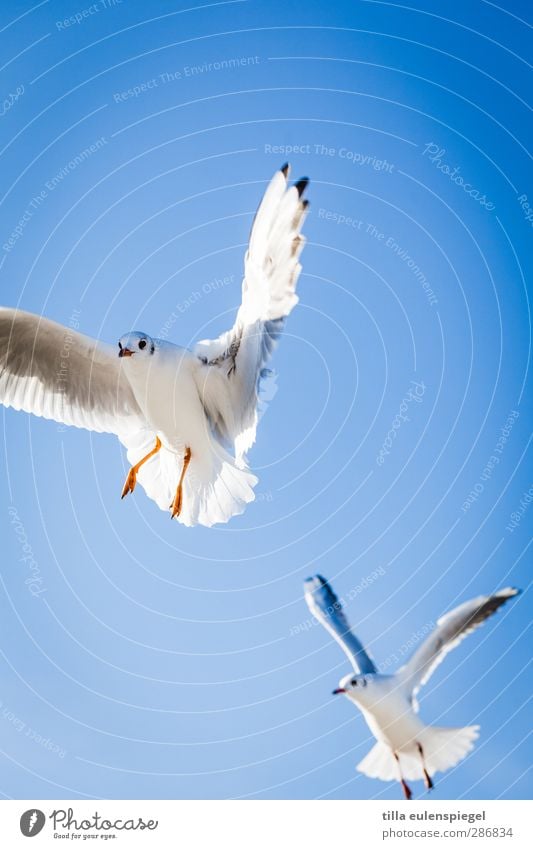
214 487
379 763
443 748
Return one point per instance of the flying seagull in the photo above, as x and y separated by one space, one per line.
406 747
187 418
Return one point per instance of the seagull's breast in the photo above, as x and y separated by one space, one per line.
390 716
165 389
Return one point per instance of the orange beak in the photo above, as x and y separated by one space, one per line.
125 352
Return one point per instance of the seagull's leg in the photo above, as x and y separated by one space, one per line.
405 787
131 480
178 498
427 778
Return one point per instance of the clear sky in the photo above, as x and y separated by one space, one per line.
159 661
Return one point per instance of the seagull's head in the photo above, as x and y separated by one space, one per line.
354 686
135 344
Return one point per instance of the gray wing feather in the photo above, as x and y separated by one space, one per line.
452 628
233 373
55 372
325 606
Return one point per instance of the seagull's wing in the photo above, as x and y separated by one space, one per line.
324 604
53 371
451 629
233 365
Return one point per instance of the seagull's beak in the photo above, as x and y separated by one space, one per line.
125 352
338 690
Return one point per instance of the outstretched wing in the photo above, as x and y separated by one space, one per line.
233 365
451 629
324 604
53 371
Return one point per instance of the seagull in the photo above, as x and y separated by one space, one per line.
186 417
406 747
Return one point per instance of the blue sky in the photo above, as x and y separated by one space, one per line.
158 661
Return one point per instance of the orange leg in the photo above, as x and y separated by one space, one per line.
131 480
427 778
176 505
405 787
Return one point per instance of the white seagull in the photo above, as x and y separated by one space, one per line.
406 747
187 418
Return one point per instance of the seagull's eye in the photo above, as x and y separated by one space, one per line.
142 344
354 682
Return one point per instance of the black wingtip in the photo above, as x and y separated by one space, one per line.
285 169
311 580
508 592
301 185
